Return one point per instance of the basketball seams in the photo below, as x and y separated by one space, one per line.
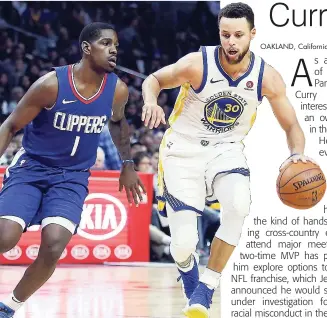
303 190
303 175
298 175
281 175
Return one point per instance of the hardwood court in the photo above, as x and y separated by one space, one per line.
103 292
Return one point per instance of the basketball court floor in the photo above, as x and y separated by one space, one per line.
103 292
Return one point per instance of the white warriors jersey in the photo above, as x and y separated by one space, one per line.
222 109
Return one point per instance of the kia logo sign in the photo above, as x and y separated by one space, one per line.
101 252
106 216
123 251
80 252
13 254
32 251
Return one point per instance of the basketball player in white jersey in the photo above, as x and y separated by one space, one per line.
201 155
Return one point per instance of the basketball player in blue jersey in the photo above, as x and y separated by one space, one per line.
201 154
63 114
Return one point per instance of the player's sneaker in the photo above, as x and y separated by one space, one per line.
5 311
200 302
190 280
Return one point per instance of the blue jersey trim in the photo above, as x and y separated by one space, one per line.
205 71
259 86
233 83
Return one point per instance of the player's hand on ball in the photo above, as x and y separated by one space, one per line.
132 183
296 158
153 115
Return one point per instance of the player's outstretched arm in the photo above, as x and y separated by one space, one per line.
188 69
41 94
119 130
274 88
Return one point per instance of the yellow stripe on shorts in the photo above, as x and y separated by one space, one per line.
161 204
179 104
253 118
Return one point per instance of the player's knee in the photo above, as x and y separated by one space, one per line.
54 240
240 203
7 242
241 208
10 233
184 243
228 235
181 253
51 251
230 229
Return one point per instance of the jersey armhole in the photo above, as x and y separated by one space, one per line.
205 70
259 87
49 108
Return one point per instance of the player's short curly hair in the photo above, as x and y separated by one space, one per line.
236 11
92 32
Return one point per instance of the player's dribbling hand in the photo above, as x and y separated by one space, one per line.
296 158
153 115
132 183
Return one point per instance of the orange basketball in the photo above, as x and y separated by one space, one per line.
301 185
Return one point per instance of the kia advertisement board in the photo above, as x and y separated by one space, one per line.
110 231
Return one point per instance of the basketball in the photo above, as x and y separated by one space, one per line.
301 185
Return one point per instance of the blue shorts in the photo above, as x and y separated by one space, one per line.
32 191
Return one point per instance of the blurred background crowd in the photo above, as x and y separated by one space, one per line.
35 36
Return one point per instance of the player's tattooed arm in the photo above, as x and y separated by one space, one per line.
119 130
42 94
188 69
274 88
118 125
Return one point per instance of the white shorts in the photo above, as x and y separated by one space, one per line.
188 168
67 224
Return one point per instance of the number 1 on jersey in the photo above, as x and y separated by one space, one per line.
75 145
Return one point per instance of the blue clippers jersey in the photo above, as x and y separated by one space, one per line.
67 135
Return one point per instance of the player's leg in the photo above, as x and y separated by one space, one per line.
233 192
10 233
185 198
184 239
60 211
54 239
19 202
182 187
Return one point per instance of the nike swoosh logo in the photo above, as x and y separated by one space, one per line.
15 300
212 81
68 101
